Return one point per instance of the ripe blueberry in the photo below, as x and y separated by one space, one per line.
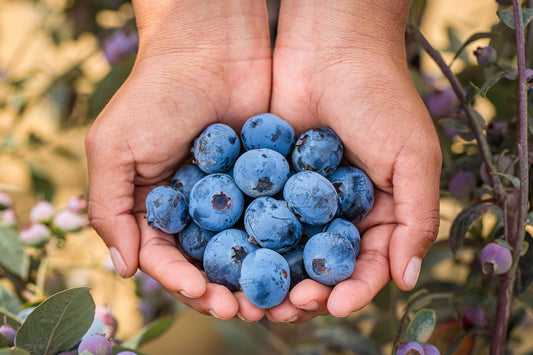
185 178
166 209
295 259
193 240
329 258
265 278
272 225
311 197
355 191
268 131
261 172
317 149
215 202
495 259
96 344
410 348
347 229
216 148
223 257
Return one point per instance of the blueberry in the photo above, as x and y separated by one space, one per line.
265 278
317 149
442 103
347 229
473 316
166 209
216 148
462 184
430 349
268 131
272 225
215 202
96 344
311 197
485 56
8 333
193 239
224 255
295 259
310 230
495 259
355 191
410 348
185 178
329 258
261 172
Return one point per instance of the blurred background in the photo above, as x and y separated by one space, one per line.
60 62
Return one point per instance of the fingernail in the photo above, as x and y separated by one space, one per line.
290 320
184 293
214 314
242 318
118 262
310 306
410 277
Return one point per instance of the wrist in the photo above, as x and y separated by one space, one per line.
363 26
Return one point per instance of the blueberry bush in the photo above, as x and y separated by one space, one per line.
474 294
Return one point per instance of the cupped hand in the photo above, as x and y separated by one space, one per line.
198 63
338 66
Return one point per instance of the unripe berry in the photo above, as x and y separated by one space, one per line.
96 345
410 348
77 203
8 217
495 259
121 44
485 56
473 316
70 221
42 211
430 349
5 200
105 314
34 234
462 183
442 103
9 333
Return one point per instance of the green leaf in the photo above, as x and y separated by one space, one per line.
507 17
58 323
16 351
456 124
150 332
473 296
107 87
494 79
513 179
42 185
503 243
9 301
10 318
473 38
463 221
13 258
422 326
3 342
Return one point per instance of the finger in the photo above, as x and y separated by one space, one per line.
218 301
160 258
284 312
310 295
247 311
111 174
416 198
370 275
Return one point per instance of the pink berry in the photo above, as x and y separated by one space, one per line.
42 211
70 221
9 333
495 259
462 183
34 234
96 344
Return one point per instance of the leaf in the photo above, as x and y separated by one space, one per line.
12 254
473 296
456 124
9 301
494 79
150 332
10 318
463 221
13 352
422 326
507 17
58 323
42 185
513 179
473 38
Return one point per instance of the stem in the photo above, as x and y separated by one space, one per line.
475 125
516 220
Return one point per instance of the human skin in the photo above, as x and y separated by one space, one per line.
337 64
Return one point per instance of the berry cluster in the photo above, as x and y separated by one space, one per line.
262 220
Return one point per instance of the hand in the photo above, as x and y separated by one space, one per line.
342 65
198 63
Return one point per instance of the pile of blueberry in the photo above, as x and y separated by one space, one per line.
266 219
